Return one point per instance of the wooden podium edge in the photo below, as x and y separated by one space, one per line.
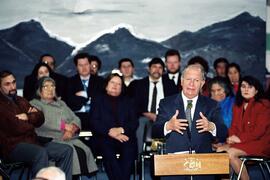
191 164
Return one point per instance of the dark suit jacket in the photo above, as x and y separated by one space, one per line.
140 92
103 118
166 77
75 85
200 142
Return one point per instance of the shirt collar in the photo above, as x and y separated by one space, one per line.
158 81
85 77
175 75
194 100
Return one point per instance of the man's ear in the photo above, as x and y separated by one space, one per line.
202 83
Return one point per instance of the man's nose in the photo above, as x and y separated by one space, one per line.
13 86
191 82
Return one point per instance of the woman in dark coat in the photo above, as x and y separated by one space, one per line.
114 125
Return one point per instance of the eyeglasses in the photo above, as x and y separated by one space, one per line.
46 87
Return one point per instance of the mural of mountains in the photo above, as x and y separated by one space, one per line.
22 45
111 47
240 39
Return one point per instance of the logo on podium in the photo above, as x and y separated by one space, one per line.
192 164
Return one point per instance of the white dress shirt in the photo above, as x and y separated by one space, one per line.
175 79
160 93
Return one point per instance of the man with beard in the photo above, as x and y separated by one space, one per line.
18 139
147 94
173 66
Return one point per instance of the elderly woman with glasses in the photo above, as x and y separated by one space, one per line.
114 125
62 125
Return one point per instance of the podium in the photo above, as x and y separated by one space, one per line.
191 164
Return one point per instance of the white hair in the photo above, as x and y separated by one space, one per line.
51 173
194 66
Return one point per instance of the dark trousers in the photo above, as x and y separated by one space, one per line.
118 169
85 121
38 156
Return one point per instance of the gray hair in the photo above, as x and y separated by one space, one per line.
194 66
51 173
41 83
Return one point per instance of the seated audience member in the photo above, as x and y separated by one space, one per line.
249 133
60 79
18 139
200 60
95 65
173 67
234 75
126 67
114 124
220 65
147 93
220 90
62 125
82 87
30 82
50 173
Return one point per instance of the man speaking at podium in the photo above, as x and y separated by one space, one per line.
189 121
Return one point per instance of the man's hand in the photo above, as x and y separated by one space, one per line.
178 125
204 125
22 117
233 139
150 116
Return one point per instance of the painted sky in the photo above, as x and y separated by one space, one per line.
81 20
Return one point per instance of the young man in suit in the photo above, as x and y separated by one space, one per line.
173 66
82 87
147 93
188 120
126 67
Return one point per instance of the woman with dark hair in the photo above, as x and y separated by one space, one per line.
114 125
40 70
233 73
30 82
249 133
62 126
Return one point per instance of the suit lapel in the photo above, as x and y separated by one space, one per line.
199 108
180 106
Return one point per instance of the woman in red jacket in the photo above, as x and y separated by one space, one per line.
249 133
